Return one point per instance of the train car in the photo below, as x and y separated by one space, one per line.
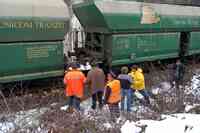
31 35
131 31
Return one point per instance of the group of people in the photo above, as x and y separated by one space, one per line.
112 90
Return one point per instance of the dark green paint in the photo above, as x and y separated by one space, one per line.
94 20
90 17
22 59
194 46
134 48
128 41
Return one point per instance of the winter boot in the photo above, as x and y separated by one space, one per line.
70 110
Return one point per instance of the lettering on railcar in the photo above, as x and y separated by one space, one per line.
186 22
31 25
40 52
146 45
122 43
18 24
50 25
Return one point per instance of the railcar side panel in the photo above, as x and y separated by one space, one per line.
194 47
134 48
30 60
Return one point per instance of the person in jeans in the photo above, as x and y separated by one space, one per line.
126 91
74 81
139 84
96 82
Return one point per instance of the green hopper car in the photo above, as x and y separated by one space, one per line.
31 34
131 31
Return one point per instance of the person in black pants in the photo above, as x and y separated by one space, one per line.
96 82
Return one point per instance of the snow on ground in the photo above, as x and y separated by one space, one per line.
177 123
107 125
190 108
130 127
194 87
174 123
21 120
6 127
29 118
164 87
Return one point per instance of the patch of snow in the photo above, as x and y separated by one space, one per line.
22 120
176 123
54 104
130 127
155 91
166 86
64 108
142 110
107 125
194 88
169 125
189 107
6 127
163 87
86 104
120 119
139 95
29 118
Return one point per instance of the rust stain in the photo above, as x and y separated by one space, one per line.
149 16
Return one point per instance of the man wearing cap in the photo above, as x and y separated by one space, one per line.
112 95
96 81
126 91
74 81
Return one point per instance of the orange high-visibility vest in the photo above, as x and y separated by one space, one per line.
74 81
115 95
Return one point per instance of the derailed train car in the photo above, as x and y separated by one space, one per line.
31 34
131 31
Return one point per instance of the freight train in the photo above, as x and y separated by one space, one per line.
122 32
31 35
117 32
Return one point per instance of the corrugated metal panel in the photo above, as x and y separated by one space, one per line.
129 16
131 7
35 8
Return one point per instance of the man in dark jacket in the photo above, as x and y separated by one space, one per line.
178 73
96 81
126 90
178 76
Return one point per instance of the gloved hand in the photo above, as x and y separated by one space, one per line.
104 102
